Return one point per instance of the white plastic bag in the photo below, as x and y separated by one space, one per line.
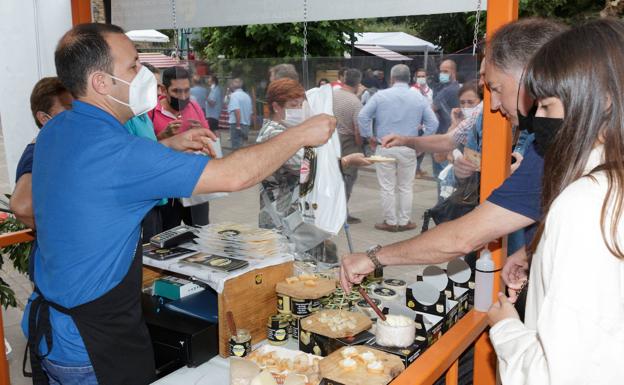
322 199
202 198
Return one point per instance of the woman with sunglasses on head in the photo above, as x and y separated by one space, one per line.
573 331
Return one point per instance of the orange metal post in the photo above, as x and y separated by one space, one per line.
6 240
442 355
494 170
4 364
452 375
81 11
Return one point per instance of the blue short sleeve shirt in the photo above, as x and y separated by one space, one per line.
522 191
93 183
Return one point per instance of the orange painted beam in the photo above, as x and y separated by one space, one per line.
484 361
496 159
81 11
452 374
445 352
4 363
6 240
16 237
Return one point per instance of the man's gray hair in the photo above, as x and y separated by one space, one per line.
284 70
353 77
514 44
400 73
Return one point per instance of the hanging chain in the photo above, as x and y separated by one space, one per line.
175 29
475 39
304 62
305 29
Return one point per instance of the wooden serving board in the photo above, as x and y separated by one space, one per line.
331 369
312 323
252 300
299 290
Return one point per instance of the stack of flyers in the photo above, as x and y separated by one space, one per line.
215 262
241 241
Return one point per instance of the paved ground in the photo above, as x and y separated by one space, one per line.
243 207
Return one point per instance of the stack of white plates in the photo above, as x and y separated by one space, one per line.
241 241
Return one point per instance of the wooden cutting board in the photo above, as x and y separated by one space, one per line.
313 323
331 369
298 289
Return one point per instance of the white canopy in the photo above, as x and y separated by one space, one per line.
147 35
158 14
395 41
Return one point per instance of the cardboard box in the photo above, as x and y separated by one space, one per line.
416 299
323 346
461 275
452 314
462 296
175 288
407 355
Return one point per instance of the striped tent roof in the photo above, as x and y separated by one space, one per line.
160 60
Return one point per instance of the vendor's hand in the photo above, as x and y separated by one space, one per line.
197 139
353 269
464 168
456 116
393 140
518 157
315 131
355 160
501 309
514 273
172 128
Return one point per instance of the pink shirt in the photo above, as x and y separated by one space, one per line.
161 117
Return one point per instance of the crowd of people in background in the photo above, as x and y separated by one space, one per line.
370 111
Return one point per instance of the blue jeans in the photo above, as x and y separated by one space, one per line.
238 137
69 375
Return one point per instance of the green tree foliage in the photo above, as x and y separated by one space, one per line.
325 38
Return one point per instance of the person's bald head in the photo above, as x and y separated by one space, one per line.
449 66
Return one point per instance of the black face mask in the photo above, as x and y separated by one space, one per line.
178 104
526 122
545 130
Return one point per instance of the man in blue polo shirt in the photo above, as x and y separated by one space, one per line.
93 182
515 205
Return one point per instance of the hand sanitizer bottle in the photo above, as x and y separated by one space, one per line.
484 281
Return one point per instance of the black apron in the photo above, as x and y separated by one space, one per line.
112 328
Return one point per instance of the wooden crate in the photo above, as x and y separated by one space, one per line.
252 300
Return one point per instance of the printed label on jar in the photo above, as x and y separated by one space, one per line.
304 307
283 303
294 328
239 349
277 335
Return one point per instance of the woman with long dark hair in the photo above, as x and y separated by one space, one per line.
574 325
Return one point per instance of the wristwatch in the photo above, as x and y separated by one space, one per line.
371 253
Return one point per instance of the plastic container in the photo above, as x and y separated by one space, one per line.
484 281
396 331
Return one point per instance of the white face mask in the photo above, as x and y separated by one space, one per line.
143 94
467 112
421 81
293 117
